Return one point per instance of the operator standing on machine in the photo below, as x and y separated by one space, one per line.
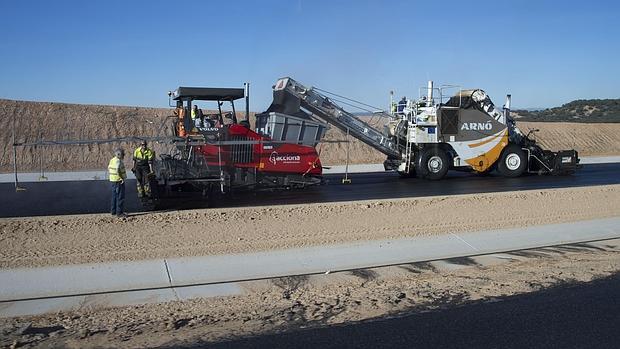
143 158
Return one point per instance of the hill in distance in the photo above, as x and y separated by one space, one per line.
581 110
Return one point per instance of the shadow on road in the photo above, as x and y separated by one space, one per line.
568 315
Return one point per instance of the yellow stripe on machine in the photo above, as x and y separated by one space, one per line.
484 161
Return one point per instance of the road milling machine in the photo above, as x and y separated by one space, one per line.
436 133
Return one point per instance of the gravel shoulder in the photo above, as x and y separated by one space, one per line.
292 303
47 241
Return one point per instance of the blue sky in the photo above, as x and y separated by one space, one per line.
544 53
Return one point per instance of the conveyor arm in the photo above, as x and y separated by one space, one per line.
322 107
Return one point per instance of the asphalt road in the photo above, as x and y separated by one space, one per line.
79 197
567 316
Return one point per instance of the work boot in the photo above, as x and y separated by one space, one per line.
122 215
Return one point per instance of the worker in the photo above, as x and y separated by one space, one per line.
117 176
401 105
143 158
197 116
209 122
215 121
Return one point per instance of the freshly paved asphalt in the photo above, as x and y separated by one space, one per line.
80 197
567 316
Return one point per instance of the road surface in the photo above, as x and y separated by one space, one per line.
80 197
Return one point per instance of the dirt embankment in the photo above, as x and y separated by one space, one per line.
31 242
61 121
589 139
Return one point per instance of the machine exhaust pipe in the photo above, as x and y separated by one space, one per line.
429 92
507 107
508 100
247 101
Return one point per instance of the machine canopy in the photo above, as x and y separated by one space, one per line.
207 93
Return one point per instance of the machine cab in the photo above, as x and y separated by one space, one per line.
192 122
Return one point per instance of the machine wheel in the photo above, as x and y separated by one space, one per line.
513 161
433 164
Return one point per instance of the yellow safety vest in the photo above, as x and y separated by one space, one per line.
116 170
193 114
145 157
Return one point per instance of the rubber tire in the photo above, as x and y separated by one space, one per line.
502 167
422 167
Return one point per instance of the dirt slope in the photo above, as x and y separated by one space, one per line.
41 241
61 121
589 139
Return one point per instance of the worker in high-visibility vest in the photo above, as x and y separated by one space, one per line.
117 176
393 108
143 158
